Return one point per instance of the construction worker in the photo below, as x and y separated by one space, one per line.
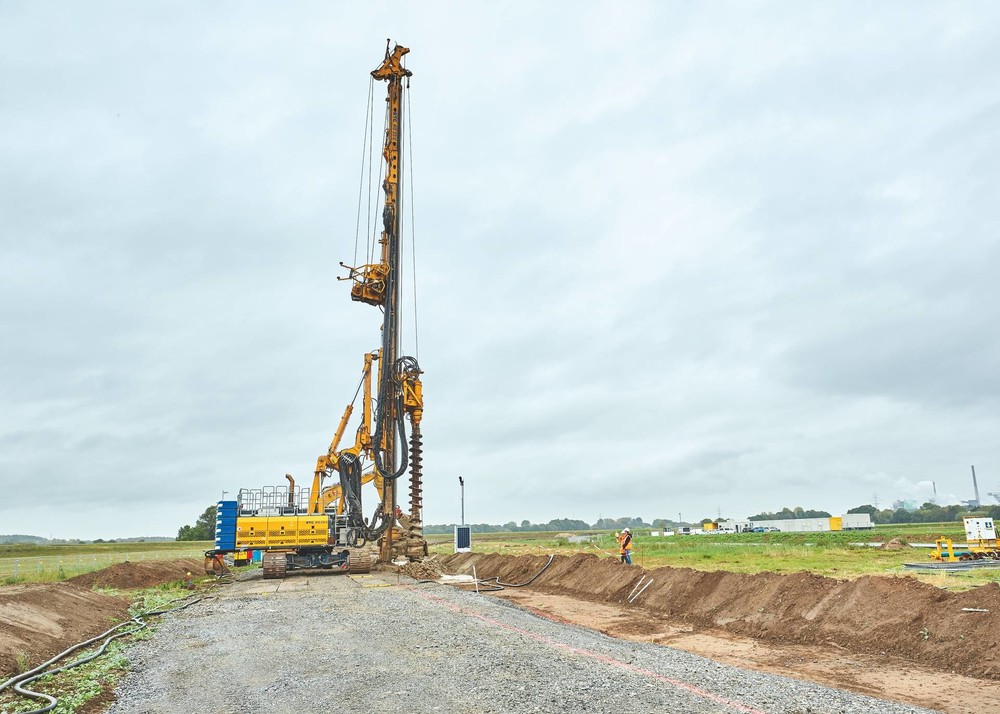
625 543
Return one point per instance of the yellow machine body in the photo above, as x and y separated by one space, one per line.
282 531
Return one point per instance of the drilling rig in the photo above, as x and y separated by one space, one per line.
324 526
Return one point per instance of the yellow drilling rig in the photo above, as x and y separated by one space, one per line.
323 526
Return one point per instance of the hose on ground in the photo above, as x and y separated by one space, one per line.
18 681
493 584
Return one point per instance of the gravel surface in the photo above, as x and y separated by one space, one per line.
365 643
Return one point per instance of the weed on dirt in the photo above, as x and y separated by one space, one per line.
83 609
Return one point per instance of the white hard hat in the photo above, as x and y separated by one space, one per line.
626 530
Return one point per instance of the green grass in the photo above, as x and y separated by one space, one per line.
824 553
26 550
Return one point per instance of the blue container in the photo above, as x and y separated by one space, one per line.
225 525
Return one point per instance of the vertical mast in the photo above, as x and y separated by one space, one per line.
391 70
399 393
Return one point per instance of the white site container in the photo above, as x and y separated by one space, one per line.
979 528
853 521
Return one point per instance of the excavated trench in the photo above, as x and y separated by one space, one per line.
872 615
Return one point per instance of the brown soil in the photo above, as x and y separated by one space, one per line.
146 574
37 621
40 620
429 569
894 617
895 544
879 676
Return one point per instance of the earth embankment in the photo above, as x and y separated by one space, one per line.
876 615
38 620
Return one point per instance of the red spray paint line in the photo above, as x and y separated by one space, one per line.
597 656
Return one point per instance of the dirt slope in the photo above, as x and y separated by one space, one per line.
873 615
42 619
37 621
140 575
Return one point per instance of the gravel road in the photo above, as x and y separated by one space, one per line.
364 643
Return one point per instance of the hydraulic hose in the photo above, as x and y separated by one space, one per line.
108 636
520 585
494 583
18 681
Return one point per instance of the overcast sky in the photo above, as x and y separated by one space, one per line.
670 257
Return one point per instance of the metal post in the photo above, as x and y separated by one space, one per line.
461 483
15 568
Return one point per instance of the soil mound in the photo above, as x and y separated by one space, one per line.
429 569
895 544
877 615
40 620
139 575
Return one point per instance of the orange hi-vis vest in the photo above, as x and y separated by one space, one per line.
625 541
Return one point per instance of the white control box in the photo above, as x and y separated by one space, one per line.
979 528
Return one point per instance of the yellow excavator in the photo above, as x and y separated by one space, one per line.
323 527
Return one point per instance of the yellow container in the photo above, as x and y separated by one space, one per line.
836 523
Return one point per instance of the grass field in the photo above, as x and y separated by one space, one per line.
24 563
827 553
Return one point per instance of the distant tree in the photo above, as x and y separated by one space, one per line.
786 514
867 508
901 515
203 529
566 524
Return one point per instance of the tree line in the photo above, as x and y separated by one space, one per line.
204 526
927 513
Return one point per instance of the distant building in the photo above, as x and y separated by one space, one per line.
905 505
847 522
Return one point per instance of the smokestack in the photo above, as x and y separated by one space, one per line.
934 486
975 486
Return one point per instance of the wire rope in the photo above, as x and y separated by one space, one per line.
371 155
413 223
361 180
381 168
